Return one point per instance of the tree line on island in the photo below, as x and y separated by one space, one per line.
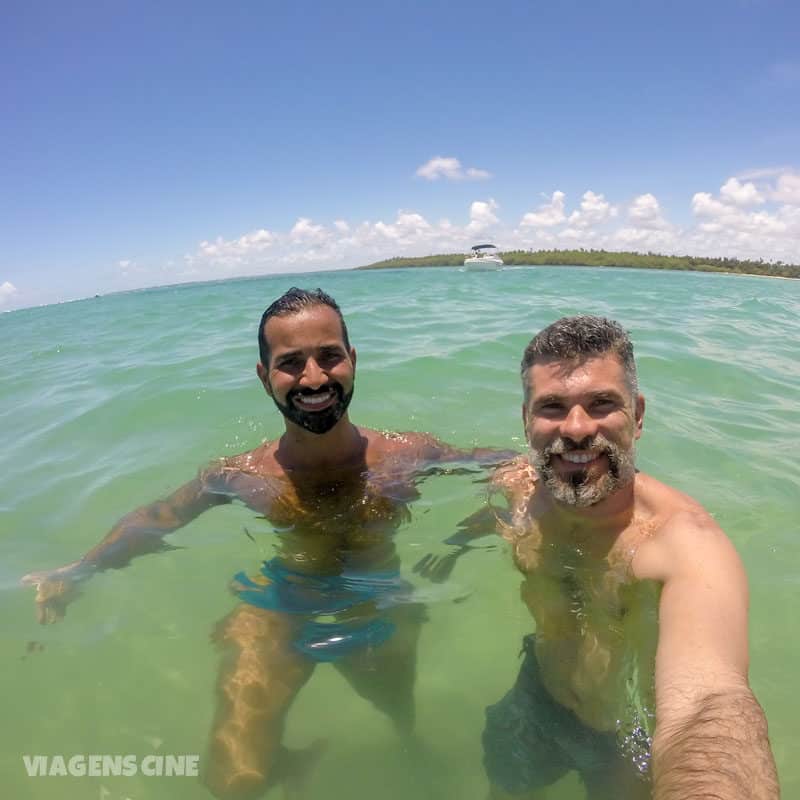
604 258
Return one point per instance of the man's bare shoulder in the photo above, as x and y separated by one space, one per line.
258 462
408 445
683 531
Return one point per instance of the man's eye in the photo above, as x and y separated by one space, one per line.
550 408
333 357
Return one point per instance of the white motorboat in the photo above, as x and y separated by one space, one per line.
483 256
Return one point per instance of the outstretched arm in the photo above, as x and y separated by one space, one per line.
512 480
432 451
711 735
142 531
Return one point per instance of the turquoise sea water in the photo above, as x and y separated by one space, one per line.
110 403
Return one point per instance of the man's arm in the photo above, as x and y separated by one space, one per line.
140 532
431 451
511 480
711 739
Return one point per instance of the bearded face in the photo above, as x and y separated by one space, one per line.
598 467
582 420
315 410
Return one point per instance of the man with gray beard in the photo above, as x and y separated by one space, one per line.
637 675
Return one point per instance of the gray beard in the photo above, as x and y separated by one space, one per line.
579 490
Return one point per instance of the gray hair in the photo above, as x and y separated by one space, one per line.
577 338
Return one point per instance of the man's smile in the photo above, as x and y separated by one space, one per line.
316 401
580 458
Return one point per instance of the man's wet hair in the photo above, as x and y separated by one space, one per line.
293 302
578 338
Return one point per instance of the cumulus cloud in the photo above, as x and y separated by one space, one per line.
747 217
787 189
741 194
449 168
726 228
645 212
594 210
546 215
305 230
407 227
717 216
235 251
482 216
7 291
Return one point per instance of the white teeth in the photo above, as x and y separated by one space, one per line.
315 399
577 458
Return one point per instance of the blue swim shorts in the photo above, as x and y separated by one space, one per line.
278 588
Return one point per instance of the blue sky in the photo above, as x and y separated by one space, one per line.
148 143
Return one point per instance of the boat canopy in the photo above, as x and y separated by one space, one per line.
483 246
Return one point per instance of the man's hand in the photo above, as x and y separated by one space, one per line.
55 589
437 569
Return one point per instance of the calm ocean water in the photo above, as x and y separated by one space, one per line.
109 403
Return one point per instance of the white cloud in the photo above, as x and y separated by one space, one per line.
762 172
594 210
451 169
756 218
482 216
721 216
787 189
704 205
645 212
7 291
235 251
124 264
724 228
546 215
305 230
741 194
407 228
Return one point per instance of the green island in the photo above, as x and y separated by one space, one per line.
604 258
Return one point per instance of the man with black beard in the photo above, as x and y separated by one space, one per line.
335 494
640 601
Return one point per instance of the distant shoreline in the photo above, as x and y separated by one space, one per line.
605 258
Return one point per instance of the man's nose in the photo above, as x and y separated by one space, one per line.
578 425
313 375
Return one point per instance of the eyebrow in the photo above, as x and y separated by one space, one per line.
323 348
611 394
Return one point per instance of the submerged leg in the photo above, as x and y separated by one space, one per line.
385 674
259 678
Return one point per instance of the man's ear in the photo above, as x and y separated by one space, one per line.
639 411
263 376
353 355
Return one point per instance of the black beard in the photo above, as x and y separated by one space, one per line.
577 490
318 422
